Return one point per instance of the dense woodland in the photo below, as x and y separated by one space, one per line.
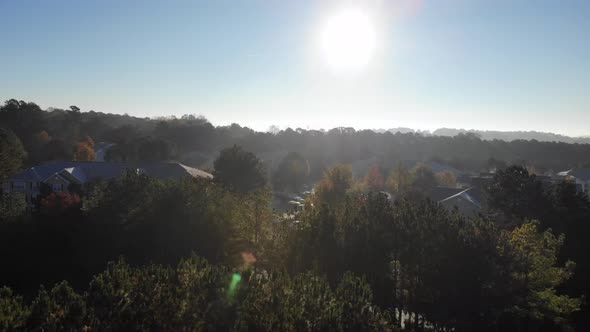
138 253
514 135
192 140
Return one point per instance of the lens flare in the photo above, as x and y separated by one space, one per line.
233 285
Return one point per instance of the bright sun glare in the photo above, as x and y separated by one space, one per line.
347 40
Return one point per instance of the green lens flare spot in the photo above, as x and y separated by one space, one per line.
235 280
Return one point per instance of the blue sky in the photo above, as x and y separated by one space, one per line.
496 65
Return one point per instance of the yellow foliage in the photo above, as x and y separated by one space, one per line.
447 179
84 152
399 180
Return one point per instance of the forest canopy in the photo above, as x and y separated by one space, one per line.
61 134
367 250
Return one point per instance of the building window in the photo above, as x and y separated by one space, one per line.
19 185
56 187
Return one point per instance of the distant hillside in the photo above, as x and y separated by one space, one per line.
55 134
402 130
491 135
513 135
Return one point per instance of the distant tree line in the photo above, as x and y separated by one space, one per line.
64 134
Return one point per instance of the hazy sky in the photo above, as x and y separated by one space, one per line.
504 65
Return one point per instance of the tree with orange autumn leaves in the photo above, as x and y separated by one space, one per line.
84 150
374 181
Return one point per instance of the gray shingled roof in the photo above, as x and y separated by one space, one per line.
464 194
464 201
90 170
440 193
581 173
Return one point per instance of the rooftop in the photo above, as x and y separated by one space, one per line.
579 173
90 170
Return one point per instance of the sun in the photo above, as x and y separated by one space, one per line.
347 40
